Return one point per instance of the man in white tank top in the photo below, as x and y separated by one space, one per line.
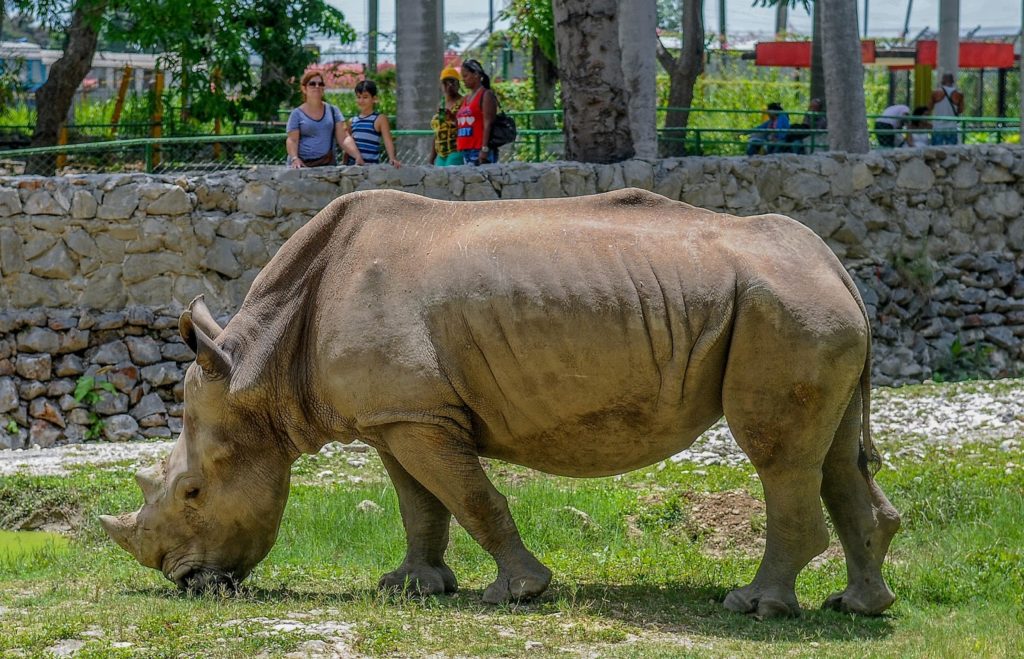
946 101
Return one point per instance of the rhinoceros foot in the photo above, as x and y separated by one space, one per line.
869 601
518 587
762 602
420 579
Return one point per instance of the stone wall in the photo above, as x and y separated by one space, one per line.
95 269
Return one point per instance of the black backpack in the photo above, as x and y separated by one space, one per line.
503 131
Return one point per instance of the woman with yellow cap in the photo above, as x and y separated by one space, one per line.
444 152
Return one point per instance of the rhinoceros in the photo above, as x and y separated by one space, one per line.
583 337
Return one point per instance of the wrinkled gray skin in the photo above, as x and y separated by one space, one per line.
585 337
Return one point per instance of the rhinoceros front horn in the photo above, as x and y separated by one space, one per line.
122 530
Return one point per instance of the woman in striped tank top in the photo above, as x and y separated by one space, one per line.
371 128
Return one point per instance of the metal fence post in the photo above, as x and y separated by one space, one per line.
62 140
158 119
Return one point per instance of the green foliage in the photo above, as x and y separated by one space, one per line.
670 14
89 391
529 21
11 426
963 362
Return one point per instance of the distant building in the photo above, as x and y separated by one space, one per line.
104 78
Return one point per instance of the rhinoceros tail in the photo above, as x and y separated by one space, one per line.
870 461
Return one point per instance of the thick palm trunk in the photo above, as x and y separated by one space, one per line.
844 77
54 98
593 88
683 72
817 56
545 75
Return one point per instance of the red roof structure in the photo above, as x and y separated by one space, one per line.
797 54
973 54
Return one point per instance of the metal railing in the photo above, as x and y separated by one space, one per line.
727 134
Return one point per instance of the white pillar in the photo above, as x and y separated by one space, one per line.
638 23
419 55
949 37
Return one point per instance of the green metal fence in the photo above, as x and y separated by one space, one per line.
710 132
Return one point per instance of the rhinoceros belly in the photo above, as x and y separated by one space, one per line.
581 391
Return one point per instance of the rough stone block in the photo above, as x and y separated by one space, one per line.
38 339
119 203
915 175
43 434
120 428
42 408
148 405
9 399
33 367
12 252
174 201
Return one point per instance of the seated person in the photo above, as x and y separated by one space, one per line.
919 130
771 134
807 131
887 126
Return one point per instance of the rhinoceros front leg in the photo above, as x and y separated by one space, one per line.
447 466
423 571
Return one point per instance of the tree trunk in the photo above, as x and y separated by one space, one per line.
419 56
593 88
781 18
637 36
54 98
683 72
817 55
844 77
545 75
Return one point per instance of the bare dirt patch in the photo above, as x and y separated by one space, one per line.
64 520
726 522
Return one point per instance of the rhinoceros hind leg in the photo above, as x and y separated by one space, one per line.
447 466
863 517
423 572
785 424
796 534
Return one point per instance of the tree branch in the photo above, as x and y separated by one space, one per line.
664 57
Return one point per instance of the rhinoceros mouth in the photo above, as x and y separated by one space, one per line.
198 580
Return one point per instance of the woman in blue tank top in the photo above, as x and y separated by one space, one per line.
371 128
315 126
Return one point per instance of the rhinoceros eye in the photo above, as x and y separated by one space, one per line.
188 488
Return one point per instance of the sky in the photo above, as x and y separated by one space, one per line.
743 21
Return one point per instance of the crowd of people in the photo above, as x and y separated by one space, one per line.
897 126
462 125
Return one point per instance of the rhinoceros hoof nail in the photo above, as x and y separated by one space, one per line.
420 581
516 589
749 600
849 602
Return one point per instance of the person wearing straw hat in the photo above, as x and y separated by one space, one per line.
445 152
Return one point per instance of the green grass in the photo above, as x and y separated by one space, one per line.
632 580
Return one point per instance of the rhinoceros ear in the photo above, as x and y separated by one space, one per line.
202 317
211 357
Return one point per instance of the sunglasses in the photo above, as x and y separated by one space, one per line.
316 84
